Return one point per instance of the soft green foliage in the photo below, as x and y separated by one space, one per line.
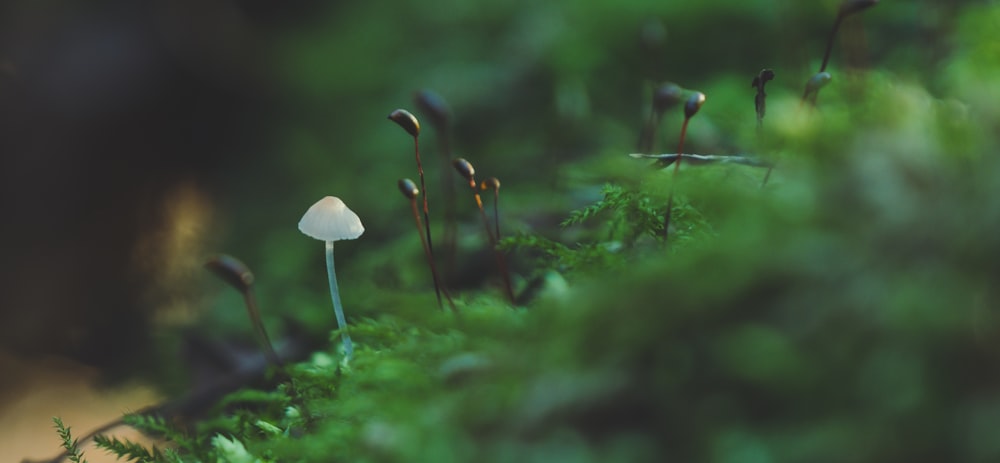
69 444
624 218
633 214
564 258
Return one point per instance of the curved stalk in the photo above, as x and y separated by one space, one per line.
258 326
430 260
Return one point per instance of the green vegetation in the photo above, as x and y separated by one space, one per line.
845 311
69 444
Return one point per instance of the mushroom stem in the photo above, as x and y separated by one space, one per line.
338 308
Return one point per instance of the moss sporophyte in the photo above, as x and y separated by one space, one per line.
411 125
465 169
238 275
410 191
691 108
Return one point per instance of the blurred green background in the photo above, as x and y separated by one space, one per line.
231 118
845 312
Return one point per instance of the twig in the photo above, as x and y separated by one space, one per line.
667 159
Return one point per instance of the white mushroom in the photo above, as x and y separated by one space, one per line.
330 220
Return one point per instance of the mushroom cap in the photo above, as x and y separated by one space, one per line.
330 220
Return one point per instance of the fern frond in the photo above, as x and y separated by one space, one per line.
71 445
157 426
614 195
127 450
